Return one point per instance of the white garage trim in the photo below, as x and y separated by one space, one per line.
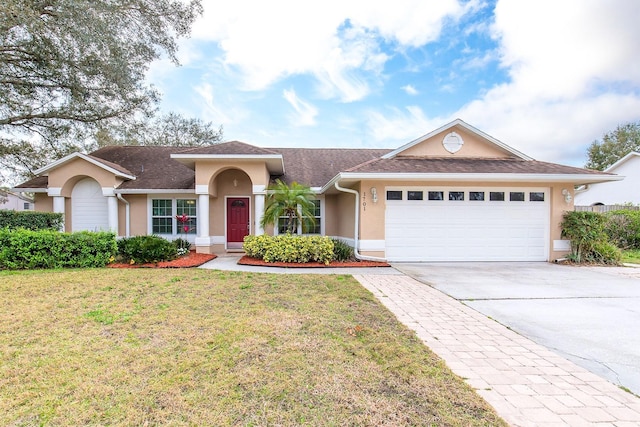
467 230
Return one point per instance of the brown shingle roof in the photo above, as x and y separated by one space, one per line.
231 147
316 166
466 165
155 169
152 166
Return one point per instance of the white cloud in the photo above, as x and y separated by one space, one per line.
335 41
305 113
410 90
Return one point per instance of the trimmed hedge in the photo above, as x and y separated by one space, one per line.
31 220
289 248
589 241
146 249
28 249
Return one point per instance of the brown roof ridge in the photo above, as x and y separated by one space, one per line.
112 165
420 157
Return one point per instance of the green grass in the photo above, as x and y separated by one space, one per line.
200 347
631 256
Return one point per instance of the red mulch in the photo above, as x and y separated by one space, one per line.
192 259
245 260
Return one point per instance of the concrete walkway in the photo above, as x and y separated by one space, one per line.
526 383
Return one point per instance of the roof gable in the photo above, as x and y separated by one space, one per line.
111 167
441 143
632 156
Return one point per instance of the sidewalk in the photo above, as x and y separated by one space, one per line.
526 383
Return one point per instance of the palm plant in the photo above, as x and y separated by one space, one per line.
294 202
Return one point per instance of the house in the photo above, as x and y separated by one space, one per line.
614 193
15 201
454 194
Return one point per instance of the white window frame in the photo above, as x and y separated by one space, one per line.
174 222
320 218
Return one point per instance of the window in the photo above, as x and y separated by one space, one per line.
414 195
394 195
516 196
307 226
476 195
456 195
164 212
26 206
496 196
536 196
435 195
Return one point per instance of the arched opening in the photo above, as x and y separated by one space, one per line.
89 209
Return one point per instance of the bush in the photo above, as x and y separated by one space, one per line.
341 250
289 248
623 228
31 220
182 246
29 249
146 249
589 241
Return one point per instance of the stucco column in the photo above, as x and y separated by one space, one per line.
58 207
203 216
112 211
258 192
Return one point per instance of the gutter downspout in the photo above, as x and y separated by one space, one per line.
127 214
355 231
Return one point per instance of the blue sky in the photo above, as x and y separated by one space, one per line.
545 77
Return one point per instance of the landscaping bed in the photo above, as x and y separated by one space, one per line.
246 260
192 259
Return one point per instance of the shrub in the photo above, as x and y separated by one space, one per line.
341 250
30 220
145 249
589 241
29 249
182 245
289 248
623 228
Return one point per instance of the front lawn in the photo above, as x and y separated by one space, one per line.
202 347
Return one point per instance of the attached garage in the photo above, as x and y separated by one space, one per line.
467 224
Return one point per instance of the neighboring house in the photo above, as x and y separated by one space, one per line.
15 201
455 194
614 193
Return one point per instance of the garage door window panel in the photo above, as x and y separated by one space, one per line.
476 196
415 195
536 196
436 195
496 196
516 196
394 195
456 195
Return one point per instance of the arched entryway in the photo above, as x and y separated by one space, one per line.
89 210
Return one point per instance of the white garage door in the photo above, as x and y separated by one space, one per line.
467 224
89 207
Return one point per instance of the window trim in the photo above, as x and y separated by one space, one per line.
174 222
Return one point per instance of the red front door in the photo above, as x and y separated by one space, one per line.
237 221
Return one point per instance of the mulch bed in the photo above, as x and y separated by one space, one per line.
245 260
192 259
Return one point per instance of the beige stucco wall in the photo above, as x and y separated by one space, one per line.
209 171
474 146
42 202
66 176
138 212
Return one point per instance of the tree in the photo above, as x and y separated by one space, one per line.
171 129
295 202
70 66
614 146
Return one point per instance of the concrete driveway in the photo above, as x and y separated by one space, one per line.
589 315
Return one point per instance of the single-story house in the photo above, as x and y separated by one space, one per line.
454 194
15 201
614 193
